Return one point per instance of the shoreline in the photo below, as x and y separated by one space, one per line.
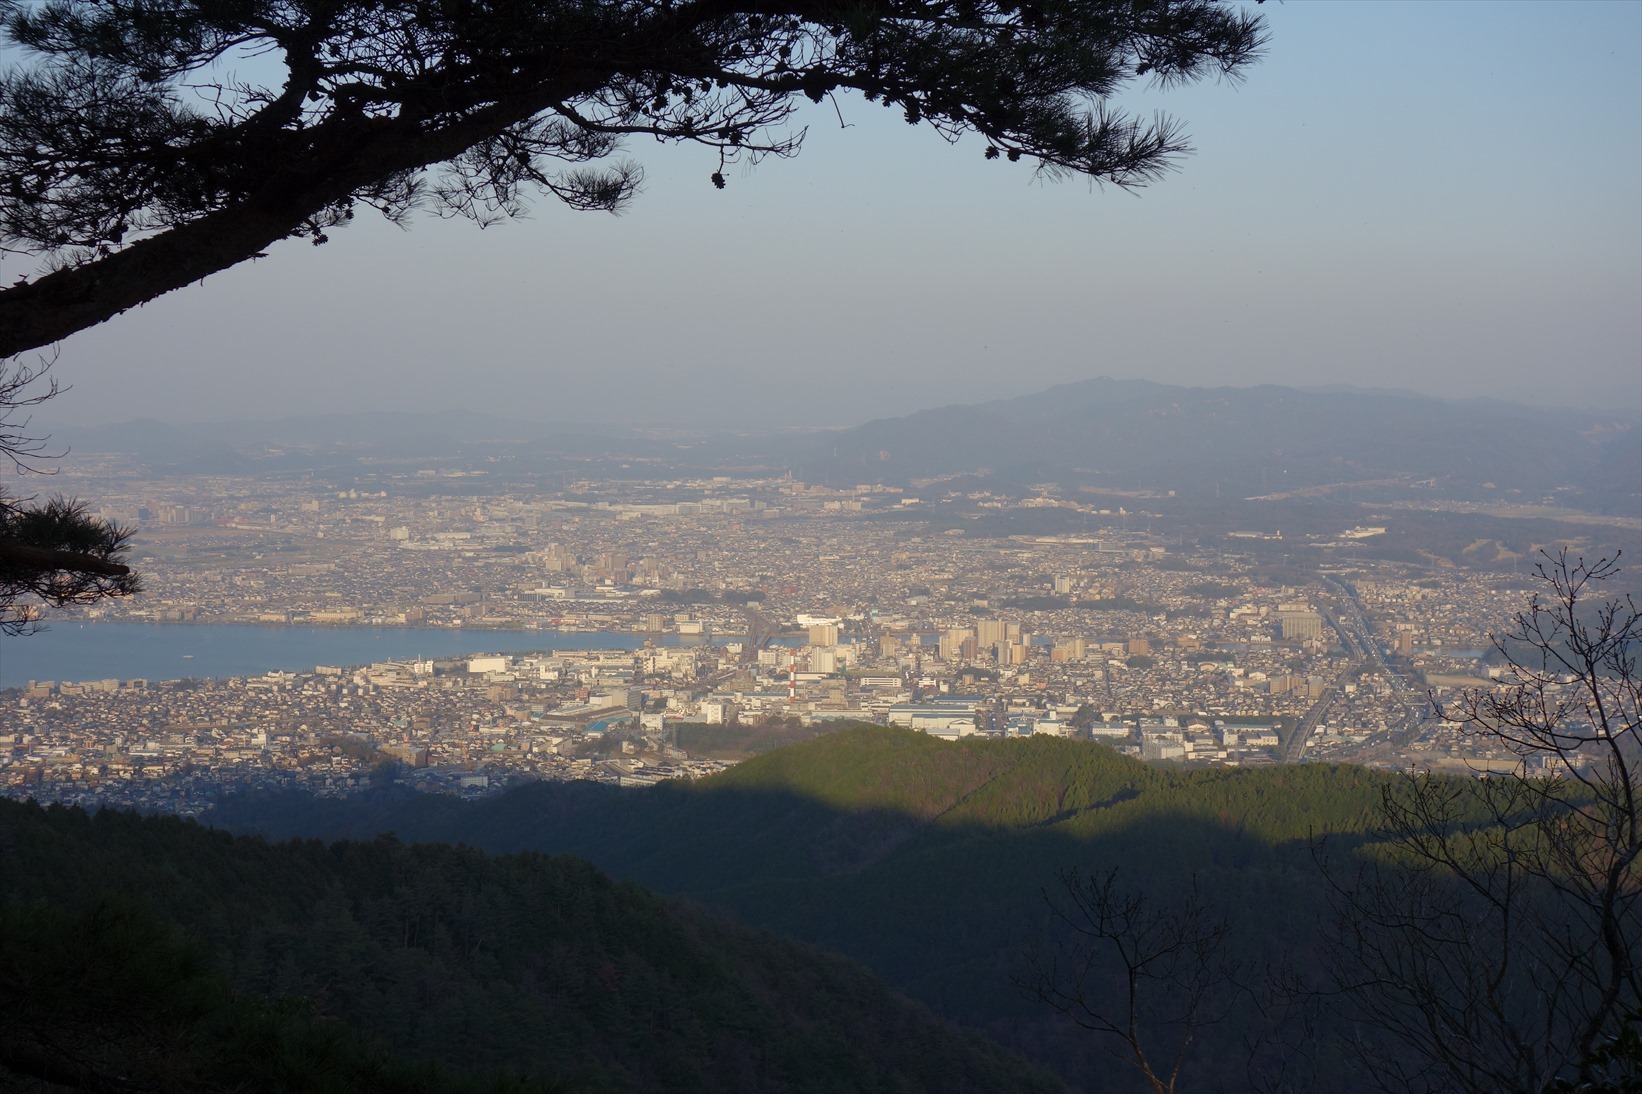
81 651
500 628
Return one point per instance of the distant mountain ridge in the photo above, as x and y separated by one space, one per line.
347 442
1135 435
1248 441
425 432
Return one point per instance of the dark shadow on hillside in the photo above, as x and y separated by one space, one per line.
537 964
1124 795
935 900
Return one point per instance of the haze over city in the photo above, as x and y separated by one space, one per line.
1435 197
871 621
880 621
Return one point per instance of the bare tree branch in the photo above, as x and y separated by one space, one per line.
1151 976
1494 943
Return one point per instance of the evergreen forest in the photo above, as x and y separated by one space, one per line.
873 909
151 953
936 864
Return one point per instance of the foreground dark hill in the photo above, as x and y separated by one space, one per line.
924 858
1237 442
109 997
538 966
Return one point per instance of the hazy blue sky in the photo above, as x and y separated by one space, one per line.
1441 197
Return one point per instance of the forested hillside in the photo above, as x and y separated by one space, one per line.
528 969
926 859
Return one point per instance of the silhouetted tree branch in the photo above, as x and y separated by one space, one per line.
51 554
1152 976
131 166
54 554
1496 943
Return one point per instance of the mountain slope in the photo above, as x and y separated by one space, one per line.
923 858
539 965
1247 441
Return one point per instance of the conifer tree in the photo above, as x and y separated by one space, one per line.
52 553
132 163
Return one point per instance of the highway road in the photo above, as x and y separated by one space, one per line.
1409 706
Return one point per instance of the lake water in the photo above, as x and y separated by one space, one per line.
170 651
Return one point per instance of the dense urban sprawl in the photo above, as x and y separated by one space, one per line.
760 599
